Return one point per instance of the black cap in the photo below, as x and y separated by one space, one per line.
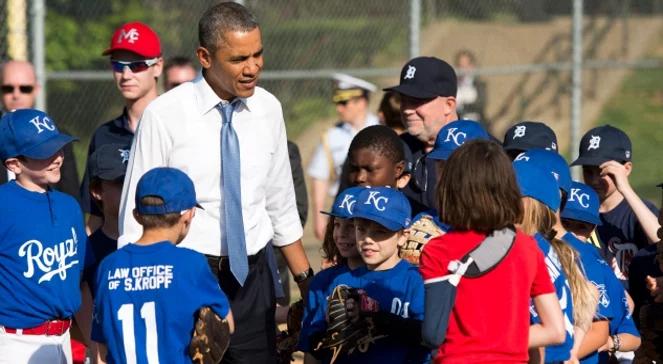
426 78
527 135
602 144
109 162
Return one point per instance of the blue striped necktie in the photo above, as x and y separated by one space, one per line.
233 225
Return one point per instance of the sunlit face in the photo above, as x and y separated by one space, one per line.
135 85
424 118
177 75
344 237
19 86
37 174
352 109
369 168
377 245
233 68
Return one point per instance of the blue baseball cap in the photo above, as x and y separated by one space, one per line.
582 204
384 205
109 162
344 203
170 184
549 161
455 134
30 133
538 184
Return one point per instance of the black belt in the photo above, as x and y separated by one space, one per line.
223 262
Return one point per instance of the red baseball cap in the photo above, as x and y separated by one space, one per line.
135 37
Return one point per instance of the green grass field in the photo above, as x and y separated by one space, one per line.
637 108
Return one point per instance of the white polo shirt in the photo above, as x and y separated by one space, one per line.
182 129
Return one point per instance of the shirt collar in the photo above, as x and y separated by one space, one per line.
122 121
208 99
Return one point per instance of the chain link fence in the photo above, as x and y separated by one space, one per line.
522 51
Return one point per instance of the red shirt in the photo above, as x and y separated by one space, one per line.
490 319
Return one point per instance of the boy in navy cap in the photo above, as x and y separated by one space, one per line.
42 243
527 135
382 219
628 222
140 315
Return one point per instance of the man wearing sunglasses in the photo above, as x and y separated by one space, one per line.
428 89
19 88
351 98
136 64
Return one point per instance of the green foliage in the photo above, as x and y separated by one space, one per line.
638 110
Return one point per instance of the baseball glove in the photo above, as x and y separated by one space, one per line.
421 231
211 337
286 341
346 333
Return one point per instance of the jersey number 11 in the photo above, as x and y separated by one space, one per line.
126 315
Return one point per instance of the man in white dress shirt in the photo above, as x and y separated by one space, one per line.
183 129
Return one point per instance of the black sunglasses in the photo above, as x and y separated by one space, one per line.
25 89
135 66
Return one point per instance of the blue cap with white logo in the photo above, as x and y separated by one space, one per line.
344 203
384 205
538 184
173 186
455 134
549 161
582 204
30 133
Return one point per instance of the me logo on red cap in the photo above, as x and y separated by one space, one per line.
131 36
42 124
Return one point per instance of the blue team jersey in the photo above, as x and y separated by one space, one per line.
562 351
621 322
399 291
147 298
314 320
598 273
42 256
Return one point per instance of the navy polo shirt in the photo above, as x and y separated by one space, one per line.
421 188
114 131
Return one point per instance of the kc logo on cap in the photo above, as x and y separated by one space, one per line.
345 203
42 122
30 133
582 204
385 206
455 134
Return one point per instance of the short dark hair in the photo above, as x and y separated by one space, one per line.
478 189
380 139
178 61
222 18
157 221
390 107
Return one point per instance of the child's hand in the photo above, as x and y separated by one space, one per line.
617 172
655 287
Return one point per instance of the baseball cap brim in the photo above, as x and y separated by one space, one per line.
110 176
439 154
380 219
49 147
330 213
412 91
578 215
589 161
132 50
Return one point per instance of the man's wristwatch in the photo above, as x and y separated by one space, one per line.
301 277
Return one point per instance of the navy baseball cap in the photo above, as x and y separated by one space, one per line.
602 144
455 134
170 184
384 205
30 133
426 78
582 204
344 203
538 184
109 162
527 135
551 162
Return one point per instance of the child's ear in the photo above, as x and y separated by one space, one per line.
13 165
403 177
402 239
137 216
628 166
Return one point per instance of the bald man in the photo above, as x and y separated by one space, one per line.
19 90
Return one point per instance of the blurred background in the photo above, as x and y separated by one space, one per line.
522 53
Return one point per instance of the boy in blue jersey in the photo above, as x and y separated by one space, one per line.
42 243
382 218
580 217
148 292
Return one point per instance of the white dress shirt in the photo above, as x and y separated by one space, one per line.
182 129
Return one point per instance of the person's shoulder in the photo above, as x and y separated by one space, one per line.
65 200
325 276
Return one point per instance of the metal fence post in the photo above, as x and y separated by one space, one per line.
576 79
415 27
38 15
